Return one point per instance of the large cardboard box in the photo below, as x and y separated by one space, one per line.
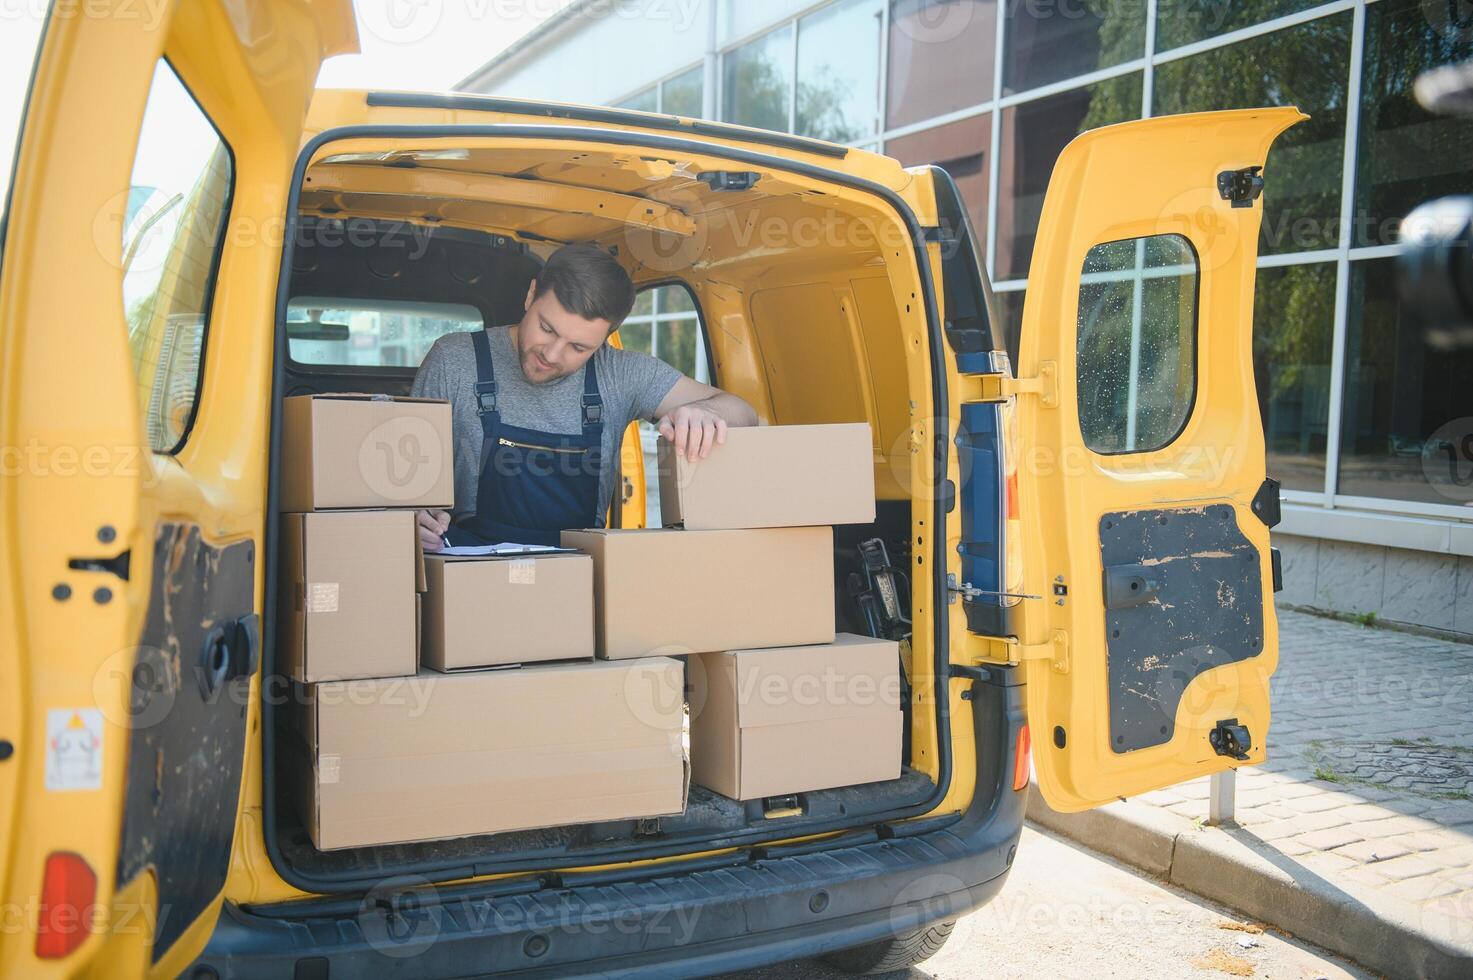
480 612
796 719
667 592
452 755
772 476
353 450
349 601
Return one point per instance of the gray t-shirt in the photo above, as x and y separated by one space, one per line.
632 386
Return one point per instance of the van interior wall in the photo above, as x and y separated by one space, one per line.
800 311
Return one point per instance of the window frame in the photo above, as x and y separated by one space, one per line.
217 256
700 320
1195 334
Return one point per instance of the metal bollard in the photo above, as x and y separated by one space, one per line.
1222 799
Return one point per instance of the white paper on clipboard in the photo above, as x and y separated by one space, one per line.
504 548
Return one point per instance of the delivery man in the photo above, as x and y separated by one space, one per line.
539 408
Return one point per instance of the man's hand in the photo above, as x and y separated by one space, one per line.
432 527
694 429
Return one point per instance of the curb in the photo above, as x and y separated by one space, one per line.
1231 866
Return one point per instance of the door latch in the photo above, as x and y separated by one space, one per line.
116 565
1231 739
728 180
1241 187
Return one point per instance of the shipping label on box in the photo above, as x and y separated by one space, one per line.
355 450
669 592
435 756
486 611
772 476
796 719
349 597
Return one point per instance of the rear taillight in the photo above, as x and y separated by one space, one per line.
68 893
1020 759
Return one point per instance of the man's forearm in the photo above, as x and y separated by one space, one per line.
735 411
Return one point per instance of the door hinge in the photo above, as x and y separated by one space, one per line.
1241 187
1055 649
1001 387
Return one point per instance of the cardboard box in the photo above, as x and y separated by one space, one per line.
352 450
437 755
667 592
796 719
772 476
485 611
349 602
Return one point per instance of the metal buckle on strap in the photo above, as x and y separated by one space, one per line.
486 396
593 409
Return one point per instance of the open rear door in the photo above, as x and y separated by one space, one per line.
1141 472
136 303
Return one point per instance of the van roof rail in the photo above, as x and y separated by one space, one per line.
624 117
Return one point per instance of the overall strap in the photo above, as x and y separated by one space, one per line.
485 379
593 403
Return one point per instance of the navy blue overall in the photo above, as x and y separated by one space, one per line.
532 484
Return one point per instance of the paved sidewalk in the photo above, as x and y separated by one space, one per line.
1358 832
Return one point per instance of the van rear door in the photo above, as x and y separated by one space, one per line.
1145 507
136 303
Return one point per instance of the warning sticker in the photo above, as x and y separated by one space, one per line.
73 748
329 769
521 571
322 597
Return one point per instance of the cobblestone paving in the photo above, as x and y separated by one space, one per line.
1369 776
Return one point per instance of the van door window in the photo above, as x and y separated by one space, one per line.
173 220
1137 338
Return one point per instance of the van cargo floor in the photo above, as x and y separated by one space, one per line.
710 821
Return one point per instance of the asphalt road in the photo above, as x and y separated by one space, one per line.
1066 912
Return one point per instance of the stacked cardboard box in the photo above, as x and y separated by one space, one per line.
746 584
476 733
509 609
442 755
354 470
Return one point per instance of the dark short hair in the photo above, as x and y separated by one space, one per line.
589 282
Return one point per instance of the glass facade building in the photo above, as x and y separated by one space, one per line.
1364 416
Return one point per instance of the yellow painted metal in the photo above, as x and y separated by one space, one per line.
1154 177
71 410
65 379
430 185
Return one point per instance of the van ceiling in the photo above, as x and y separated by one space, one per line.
589 195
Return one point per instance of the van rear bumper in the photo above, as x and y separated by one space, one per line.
729 912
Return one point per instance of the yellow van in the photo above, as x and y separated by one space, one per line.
1074 551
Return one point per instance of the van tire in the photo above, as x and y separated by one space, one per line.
897 953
